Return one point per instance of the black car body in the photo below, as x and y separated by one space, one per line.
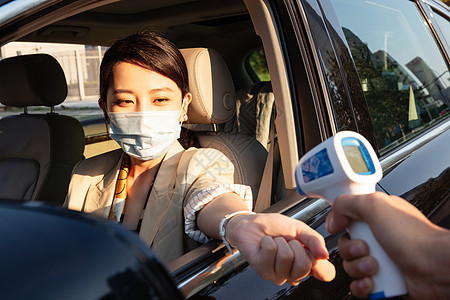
326 77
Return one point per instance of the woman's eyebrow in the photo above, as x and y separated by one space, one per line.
156 90
162 89
119 91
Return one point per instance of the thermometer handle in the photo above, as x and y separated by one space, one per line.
389 281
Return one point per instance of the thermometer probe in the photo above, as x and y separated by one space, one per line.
347 164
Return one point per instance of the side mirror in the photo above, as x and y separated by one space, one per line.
52 253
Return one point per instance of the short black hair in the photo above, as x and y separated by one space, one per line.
149 50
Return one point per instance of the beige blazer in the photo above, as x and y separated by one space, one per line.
182 174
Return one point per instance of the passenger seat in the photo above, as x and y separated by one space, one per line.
213 103
37 151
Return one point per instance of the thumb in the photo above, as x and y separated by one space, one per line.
323 270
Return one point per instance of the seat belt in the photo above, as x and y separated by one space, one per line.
265 188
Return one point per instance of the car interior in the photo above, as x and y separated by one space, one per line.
233 110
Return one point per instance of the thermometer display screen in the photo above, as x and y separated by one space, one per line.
355 159
357 156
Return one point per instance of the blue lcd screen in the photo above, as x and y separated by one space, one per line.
316 166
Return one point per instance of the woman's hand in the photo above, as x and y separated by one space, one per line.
279 248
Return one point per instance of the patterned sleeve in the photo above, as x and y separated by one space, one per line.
203 197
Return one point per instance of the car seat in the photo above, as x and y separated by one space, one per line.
213 103
255 116
37 151
255 112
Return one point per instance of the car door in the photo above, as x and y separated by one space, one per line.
302 122
322 82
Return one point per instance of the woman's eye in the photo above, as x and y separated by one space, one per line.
123 102
160 100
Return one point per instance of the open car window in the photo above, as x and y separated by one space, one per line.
258 63
80 59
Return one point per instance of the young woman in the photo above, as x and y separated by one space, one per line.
171 196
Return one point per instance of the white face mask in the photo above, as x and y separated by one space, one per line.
145 134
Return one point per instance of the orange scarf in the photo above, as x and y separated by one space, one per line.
120 194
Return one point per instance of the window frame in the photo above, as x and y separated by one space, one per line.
428 8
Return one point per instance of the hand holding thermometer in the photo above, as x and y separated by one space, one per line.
347 164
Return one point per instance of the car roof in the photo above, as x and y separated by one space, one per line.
178 19
222 25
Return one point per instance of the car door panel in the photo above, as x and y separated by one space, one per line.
423 177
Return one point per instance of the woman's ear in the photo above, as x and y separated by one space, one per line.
102 105
184 109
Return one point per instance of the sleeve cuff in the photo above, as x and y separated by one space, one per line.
202 198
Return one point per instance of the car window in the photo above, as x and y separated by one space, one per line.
81 65
257 61
403 74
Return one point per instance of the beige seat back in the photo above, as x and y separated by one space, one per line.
37 151
214 102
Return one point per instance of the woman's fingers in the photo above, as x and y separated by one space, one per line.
263 263
284 260
302 263
275 259
281 261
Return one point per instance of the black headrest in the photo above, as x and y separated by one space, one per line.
32 80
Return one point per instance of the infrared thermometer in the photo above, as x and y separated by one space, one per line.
347 164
